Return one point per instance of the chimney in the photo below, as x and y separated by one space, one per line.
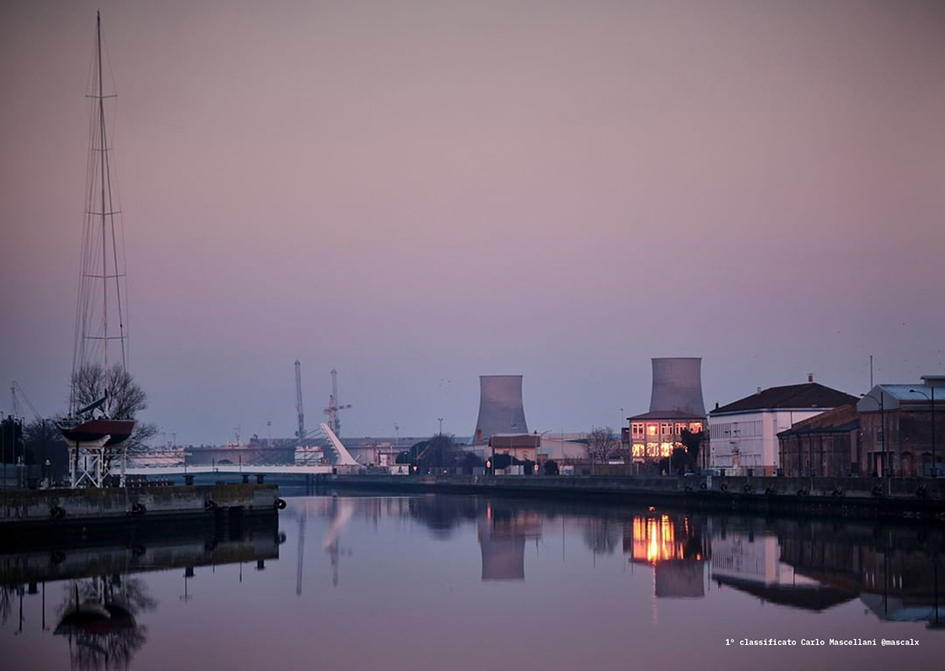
810 377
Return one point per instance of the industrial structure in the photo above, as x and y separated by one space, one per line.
501 409
334 405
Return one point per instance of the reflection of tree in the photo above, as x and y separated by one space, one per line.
6 603
98 617
601 535
442 515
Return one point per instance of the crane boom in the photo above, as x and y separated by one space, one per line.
298 400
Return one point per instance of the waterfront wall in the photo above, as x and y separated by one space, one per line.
103 505
900 497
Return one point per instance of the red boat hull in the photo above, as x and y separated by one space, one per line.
118 430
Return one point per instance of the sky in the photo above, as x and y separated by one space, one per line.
418 193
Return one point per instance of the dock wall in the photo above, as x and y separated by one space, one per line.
870 497
88 505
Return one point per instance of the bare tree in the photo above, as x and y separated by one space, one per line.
602 444
126 398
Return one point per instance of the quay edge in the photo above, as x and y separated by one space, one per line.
920 499
55 510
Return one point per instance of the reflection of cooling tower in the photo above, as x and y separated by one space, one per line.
677 385
502 558
500 407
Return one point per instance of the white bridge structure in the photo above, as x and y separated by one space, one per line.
174 463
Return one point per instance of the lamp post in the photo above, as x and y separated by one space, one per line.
932 409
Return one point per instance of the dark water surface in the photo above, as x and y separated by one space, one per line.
437 582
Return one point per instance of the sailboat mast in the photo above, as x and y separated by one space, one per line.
102 150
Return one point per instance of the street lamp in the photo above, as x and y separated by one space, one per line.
932 409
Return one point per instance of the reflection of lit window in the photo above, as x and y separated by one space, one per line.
653 450
666 449
667 429
638 450
695 427
638 428
651 429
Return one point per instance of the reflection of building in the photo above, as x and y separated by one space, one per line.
903 412
502 536
743 434
675 405
501 409
752 563
674 550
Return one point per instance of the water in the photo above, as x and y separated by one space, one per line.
438 582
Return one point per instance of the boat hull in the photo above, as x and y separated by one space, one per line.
94 430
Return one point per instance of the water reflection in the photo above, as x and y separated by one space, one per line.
673 545
101 585
379 563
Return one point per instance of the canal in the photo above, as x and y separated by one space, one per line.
467 583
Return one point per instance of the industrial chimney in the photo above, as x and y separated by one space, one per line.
677 385
500 407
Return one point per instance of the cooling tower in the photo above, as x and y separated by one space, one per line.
677 385
500 407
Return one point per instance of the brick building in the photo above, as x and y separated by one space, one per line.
827 444
896 422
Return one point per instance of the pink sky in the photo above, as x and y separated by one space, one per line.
416 193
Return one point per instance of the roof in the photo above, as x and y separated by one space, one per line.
793 396
842 419
667 414
891 396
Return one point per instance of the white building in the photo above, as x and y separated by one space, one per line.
743 435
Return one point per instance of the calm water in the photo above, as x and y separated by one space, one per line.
439 582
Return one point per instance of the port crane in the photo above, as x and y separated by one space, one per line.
331 412
300 433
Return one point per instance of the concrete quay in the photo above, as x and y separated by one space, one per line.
902 498
51 509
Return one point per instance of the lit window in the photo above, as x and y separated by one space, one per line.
652 429
638 428
666 449
638 451
666 429
695 427
653 450
680 428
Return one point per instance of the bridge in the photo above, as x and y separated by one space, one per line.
237 469
171 463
